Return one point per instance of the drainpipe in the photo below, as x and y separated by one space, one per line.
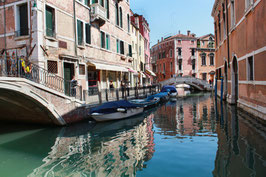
75 25
228 49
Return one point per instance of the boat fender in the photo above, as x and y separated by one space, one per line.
123 110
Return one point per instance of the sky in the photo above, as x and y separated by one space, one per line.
167 17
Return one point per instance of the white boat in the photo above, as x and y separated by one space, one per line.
120 114
173 94
115 110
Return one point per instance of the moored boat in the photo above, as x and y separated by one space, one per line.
115 110
171 89
164 96
146 103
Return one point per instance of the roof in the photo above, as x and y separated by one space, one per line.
206 36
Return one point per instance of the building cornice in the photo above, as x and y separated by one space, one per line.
215 7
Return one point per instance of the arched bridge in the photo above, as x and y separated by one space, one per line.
39 97
192 81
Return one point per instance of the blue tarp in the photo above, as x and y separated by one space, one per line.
169 88
160 95
111 107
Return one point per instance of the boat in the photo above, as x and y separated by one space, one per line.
147 103
115 110
171 89
164 96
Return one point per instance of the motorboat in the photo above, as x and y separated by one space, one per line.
171 89
115 110
164 96
147 103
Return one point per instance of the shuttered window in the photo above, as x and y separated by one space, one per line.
88 33
80 32
122 51
118 46
102 39
107 42
50 25
130 50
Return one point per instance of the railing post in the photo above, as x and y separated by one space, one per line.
106 94
100 96
117 94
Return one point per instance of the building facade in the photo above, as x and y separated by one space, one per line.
88 40
240 53
205 59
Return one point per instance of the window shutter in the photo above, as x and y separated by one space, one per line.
88 33
49 22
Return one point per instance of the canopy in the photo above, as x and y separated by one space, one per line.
111 107
102 66
171 88
150 72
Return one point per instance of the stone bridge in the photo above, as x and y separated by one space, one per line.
40 98
192 81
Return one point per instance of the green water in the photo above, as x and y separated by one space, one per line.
190 137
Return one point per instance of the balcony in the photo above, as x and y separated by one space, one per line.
98 14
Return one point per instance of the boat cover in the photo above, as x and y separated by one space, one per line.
169 88
160 95
111 107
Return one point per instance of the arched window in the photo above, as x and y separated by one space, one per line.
211 59
203 59
116 14
121 17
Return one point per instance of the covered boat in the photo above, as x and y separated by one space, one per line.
147 103
171 89
164 96
115 110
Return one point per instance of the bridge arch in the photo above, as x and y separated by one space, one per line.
21 104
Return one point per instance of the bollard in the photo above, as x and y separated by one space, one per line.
222 90
100 96
117 94
216 87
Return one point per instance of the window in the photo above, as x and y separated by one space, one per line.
121 17
179 51
107 9
171 67
122 51
203 59
101 2
250 69
198 43
171 53
116 14
129 50
211 59
164 68
50 22
118 46
88 33
52 67
232 13
193 64
23 29
219 26
87 2
193 52
80 32
180 64
81 69
102 39
139 50
128 23
107 42
219 73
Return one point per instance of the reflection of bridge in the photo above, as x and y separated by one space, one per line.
192 81
37 97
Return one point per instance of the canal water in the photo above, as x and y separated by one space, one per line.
189 137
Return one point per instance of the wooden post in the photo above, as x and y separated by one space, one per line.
106 94
117 94
100 97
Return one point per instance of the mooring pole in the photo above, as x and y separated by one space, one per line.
216 87
222 88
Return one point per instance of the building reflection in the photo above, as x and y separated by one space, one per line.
187 116
241 144
108 149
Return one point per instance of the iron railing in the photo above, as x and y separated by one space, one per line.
32 72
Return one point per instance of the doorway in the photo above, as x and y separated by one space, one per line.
69 72
234 81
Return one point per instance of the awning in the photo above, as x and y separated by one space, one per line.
142 74
132 70
150 72
101 66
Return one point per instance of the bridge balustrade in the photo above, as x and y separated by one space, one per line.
32 72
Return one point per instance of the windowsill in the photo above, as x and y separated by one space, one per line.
105 50
22 38
119 27
82 47
87 7
51 38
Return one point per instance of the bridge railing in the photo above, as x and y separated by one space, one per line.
20 69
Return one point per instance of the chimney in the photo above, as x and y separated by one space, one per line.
188 32
162 39
179 32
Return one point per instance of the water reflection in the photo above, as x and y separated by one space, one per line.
195 136
108 149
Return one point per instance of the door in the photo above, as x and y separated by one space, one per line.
68 75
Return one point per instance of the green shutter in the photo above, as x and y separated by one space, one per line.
118 46
88 33
107 42
49 22
80 35
102 40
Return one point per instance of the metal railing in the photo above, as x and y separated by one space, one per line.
32 72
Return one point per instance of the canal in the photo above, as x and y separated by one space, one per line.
191 137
